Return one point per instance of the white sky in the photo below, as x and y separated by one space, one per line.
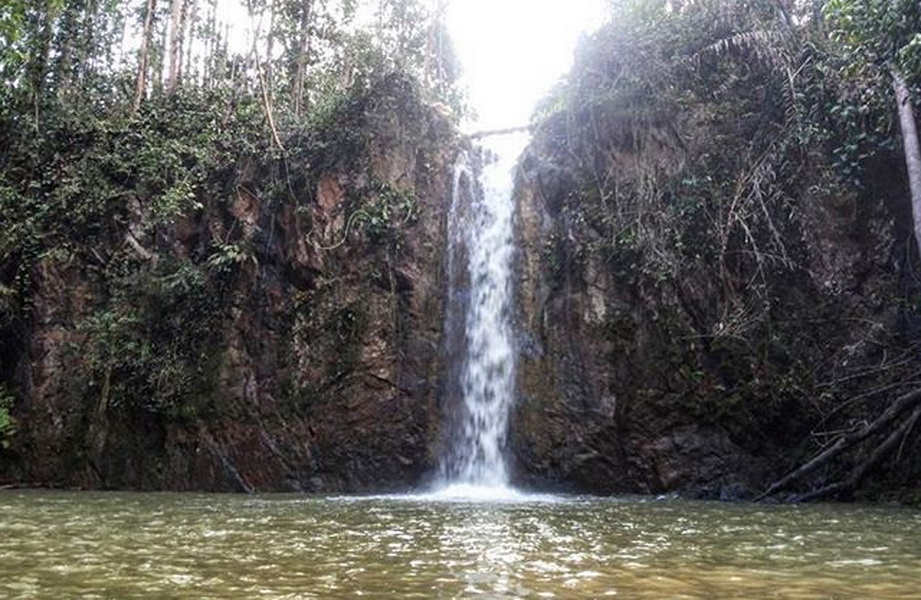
513 51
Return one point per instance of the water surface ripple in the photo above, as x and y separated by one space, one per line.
108 545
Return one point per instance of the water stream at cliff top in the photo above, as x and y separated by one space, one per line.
479 344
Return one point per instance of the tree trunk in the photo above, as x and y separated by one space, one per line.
269 54
162 58
882 423
912 149
144 53
177 11
89 44
65 40
861 471
210 59
260 73
37 67
189 36
300 74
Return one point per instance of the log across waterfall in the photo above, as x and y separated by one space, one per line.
479 335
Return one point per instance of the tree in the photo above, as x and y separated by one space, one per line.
178 14
144 53
302 55
441 68
881 39
17 32
40 42
401 30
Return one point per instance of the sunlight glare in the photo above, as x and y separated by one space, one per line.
513 51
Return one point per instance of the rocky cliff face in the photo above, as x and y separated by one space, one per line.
662 352
281 336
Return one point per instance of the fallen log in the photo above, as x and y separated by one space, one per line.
847 441
861 471
490 132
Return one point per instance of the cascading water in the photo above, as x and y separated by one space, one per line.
479 338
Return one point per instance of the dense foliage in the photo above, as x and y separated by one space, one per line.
99 132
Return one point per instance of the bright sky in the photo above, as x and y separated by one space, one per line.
513 51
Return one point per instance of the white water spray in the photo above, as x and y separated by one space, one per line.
478 324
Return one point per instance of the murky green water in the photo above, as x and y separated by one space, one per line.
88 545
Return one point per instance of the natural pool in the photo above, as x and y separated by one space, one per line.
125 545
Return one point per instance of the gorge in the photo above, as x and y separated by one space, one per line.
711 277
274 323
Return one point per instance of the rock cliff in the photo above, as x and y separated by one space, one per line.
282 334
702 305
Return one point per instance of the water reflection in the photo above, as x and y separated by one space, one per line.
57 545
487 548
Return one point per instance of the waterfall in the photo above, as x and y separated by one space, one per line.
480 345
